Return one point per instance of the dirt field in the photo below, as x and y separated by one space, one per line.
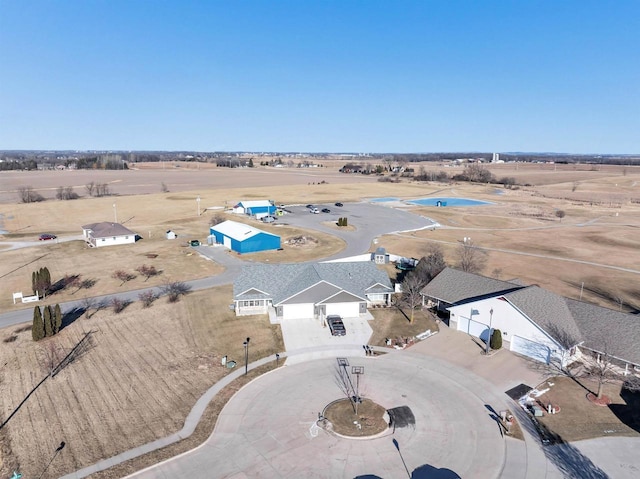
147 367
142 374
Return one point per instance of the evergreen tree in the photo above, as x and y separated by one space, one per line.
46 278
37 329
48 323
34 281
496 339
57 314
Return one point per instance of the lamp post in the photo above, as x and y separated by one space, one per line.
489 338
115 213
246 356
198 201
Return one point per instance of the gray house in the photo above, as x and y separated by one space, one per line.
310 290
534 322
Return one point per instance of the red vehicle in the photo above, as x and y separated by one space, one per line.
47 236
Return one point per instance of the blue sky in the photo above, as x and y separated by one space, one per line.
321 76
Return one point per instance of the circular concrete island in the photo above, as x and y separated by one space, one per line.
352 417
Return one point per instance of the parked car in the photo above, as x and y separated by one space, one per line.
315 211
194 243
310 206
326 210
339 205
268 219
47 236
336 326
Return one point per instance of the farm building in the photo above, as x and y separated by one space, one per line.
107 234
255 208
243 238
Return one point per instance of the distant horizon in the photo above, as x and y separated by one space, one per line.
352 153
331 76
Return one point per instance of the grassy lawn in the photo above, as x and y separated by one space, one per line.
370 421
392 323
143 371
580 419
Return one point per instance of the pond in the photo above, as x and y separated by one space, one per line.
448 202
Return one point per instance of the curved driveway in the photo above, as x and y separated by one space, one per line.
268 428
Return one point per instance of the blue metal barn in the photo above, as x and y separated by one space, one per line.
243 238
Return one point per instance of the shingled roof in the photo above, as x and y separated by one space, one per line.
549 311
568 321
608 331
453 286
106 230
281 281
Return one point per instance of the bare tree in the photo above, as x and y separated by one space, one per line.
216 219
431 265
560 214
119 305
29 195
470 258
174 290
66 193
123 276
601 369
496 273
147 298
90 187
147 271
411 297
53 355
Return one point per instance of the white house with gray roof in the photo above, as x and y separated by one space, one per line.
107 234
312 290
534 322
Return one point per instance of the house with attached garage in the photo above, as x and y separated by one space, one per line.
312 290
107 234
534 322
243 238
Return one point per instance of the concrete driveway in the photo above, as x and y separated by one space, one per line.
268 429
311 335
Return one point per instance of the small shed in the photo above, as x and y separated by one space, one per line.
255 208
380 256
171 235
243 238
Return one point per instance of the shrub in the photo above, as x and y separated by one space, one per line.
37 328
147 298
496 339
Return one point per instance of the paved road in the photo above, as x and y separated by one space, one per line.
268 428
370 221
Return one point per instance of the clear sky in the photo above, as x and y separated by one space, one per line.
321 76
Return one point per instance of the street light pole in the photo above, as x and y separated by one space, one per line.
115 213
246 356
198 201
489 338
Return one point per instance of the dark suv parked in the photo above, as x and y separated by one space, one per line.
336 326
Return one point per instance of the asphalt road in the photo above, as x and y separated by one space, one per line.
369 220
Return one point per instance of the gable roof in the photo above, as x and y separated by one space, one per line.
549 311
608 331
237 231
568 321
453 286
255 203
283 281
106 229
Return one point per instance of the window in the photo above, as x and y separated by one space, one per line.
252 303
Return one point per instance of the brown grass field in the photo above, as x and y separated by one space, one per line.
146 368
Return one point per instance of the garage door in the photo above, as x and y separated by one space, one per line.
531 349
474 328
226 241
346 310
293 311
